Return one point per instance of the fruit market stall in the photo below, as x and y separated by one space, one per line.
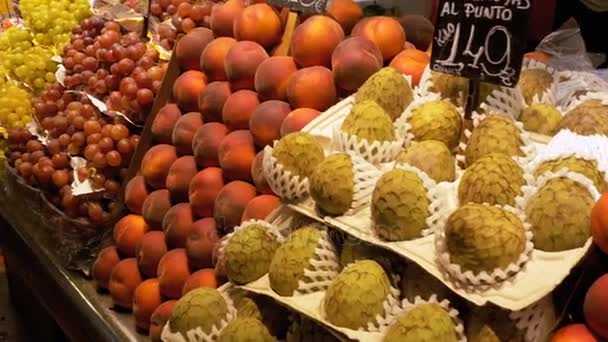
215 170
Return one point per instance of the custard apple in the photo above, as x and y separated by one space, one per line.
534 82
201 308
437 120
248 253
389 89
367 120
492 324
433 157
299 153
245 330
541 118
424 323
587 168
332 184
589 118
451 87
496 133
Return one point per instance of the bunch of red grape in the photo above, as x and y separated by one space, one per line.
184 15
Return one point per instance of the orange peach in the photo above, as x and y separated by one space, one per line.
213 57
150 250
260 207
200 278
189 48
596 306
312 87
104 264
418 30
411 62
236 153
272 77
128 232
123 281
538 56
346 12
178 179
177 225
184 131
259 23
201 242
265 122
159 318
257 173
205 143
314 41
238 109
156 164
241 63
230 205
172 273
204 188
145 300
186 89
354 61
573 333
155 207
164 121
298 119
386 32
224 15
212 99
135 194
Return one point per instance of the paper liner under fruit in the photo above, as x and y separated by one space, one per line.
404 128
484 280
527 147
198 335
600 96
406 306
568 144
375 152
282 182
573 84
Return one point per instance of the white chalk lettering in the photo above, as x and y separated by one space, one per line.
449 9
488 12
518 4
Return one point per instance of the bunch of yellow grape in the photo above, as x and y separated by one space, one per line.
13 39
33 66
52 21
15 105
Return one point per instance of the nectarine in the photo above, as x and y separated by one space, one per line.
236 153
201 242
206 142
265 122
177 225
156 164
145 300
123 281
150 250
203 190
238 109
128 232
104 264
155 206
242 62
212 99
172 273
230 204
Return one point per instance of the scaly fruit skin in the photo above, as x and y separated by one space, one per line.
534 82
245 330
299 153
200 308
493 179
587 168
248 253
453 88
433 157
247 308
424 323
541 118
437 120
357 295
415 281
482 238
332 184
367 120
292 259
491 324
389 89
496 133
589 118
560 215
400 206
305 330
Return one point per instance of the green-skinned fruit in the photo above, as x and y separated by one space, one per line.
389 89
201 308
367 120
560 215
491 324
332 184
483 238
587 168
495 134
436 120
451 87
424 323
493 179
248 253
433 157
299 153
589 118
245 330
400 206
357 295
265 310
292 259
541 118
534 82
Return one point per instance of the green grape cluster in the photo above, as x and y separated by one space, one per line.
15 105
52 21
12 40
33 66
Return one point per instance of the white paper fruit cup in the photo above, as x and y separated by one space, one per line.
282 182
375 152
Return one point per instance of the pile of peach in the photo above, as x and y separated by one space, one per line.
234 97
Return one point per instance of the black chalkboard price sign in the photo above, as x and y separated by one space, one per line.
483 40
304 6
